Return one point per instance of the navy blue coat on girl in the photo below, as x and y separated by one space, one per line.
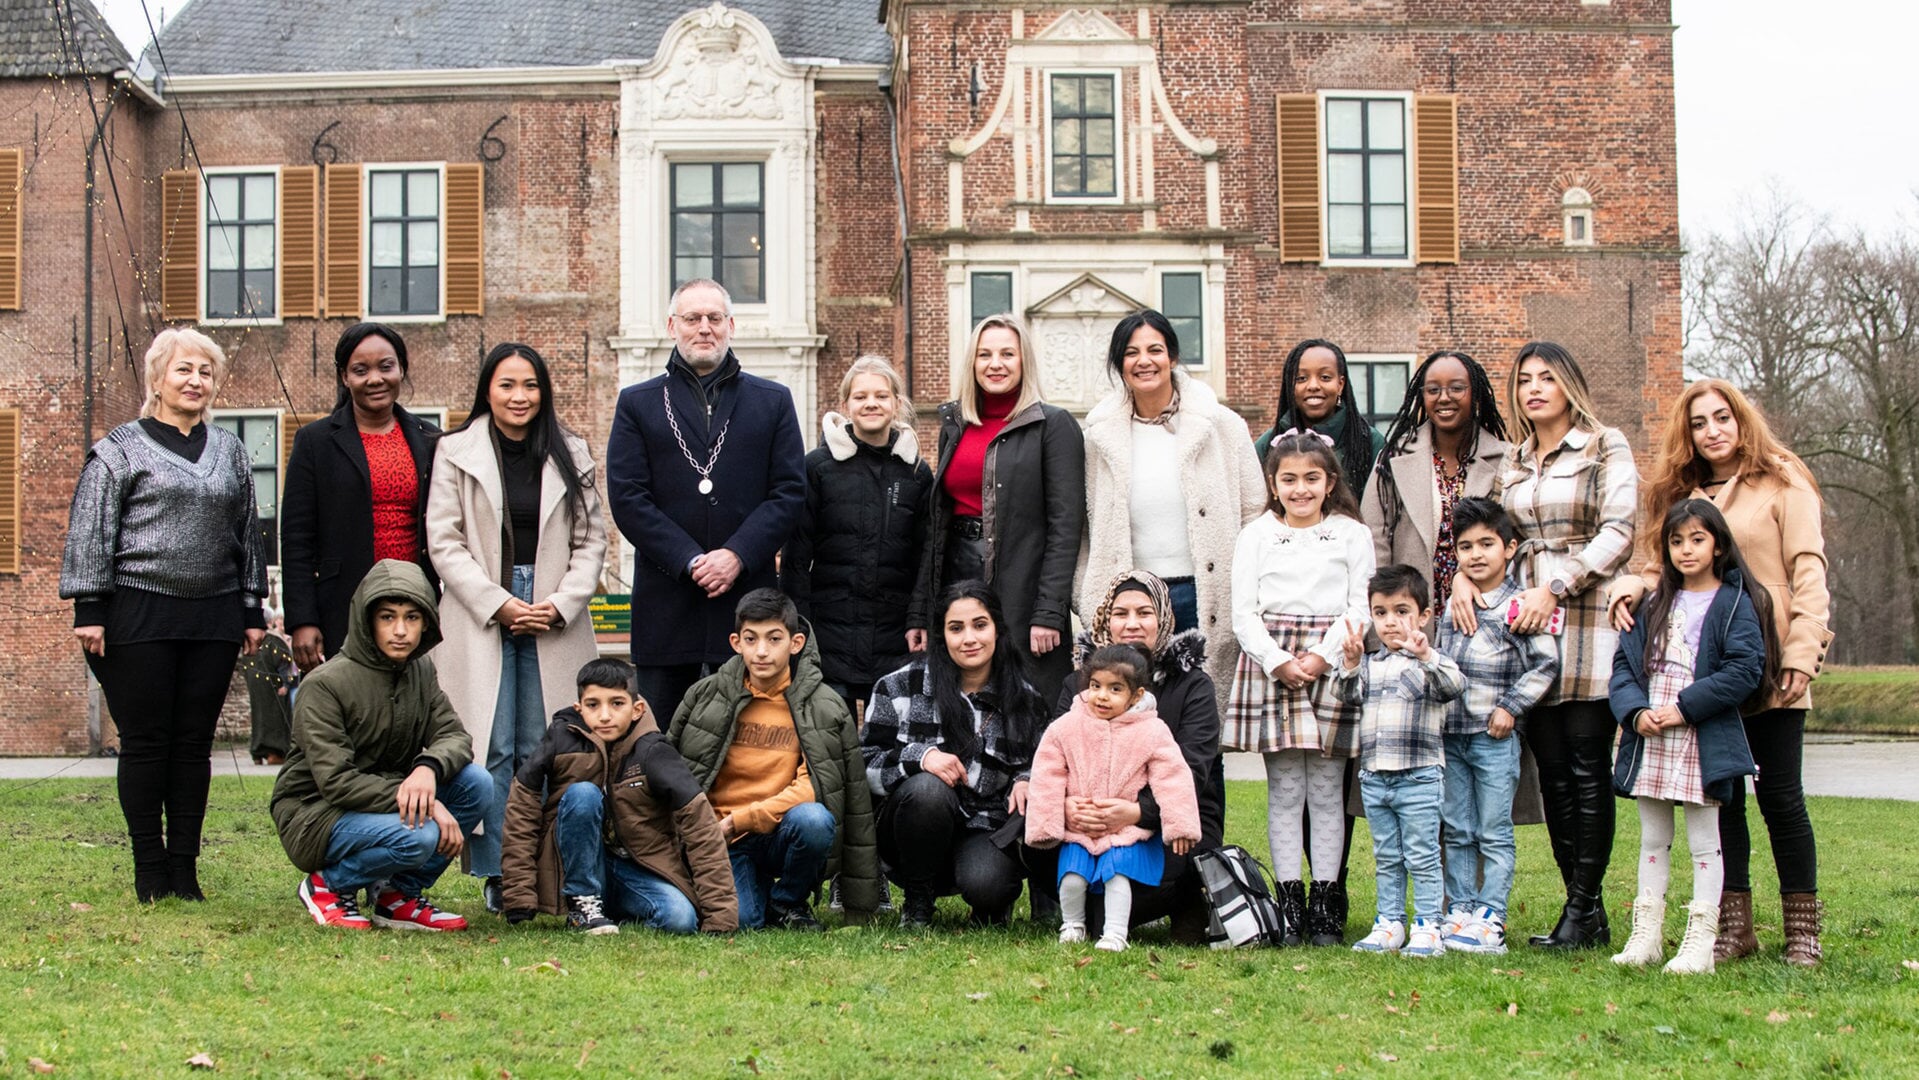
1730 666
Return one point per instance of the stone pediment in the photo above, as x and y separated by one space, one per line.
1085 297
1083 26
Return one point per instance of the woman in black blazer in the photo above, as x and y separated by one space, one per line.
355 493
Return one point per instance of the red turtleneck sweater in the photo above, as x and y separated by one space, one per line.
968 468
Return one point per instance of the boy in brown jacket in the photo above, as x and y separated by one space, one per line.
605 822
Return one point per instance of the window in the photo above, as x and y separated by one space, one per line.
260 434
1182 299
1366 178
1379 385
1578 206
241 249
719 225
403 242
992 295
1085 151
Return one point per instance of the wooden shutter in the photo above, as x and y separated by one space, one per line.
1436 178
290 423
300 242
456 417
343 228
465 249
12 173
1301 232
10 490
180 245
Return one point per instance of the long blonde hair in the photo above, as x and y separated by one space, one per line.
875 364
1678 469
966 387
159 354
1571 381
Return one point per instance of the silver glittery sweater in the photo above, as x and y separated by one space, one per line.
146 518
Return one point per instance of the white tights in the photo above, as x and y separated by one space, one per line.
1119 905
1702 838
1296 779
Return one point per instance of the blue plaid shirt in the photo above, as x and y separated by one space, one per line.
1503 670
1405 707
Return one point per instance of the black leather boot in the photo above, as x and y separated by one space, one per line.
183 877
1326 914
1292 912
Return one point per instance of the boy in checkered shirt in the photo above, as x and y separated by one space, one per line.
1404 688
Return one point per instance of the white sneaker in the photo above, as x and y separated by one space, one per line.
1110 942
1389 935
1424 940
1485 932
1072 933
1456 919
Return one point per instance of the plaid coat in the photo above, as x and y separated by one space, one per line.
1575 508
903 723
1405 707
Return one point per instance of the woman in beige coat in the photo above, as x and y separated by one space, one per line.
1717 446
1170 479
515 532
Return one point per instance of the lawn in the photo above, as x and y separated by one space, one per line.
102 987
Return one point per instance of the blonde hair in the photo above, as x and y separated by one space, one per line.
966 386
874 364
1572 382
161 353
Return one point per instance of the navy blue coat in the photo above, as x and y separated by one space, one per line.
1730 666
759 488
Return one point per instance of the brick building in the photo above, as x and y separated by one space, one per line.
1397 175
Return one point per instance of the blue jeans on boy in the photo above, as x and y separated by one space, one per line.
1481 775
630 891
1402 810
783 867
366 848
519 722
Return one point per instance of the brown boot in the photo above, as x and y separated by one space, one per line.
1736 938
1802 928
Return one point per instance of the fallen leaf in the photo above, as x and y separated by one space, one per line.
201 1060
1663 1029
546 965
447 1016
1302 967
897 946
1845 1029
1152 957
1082 961
1389 1057
1188 965
35 1063
1153 975
1777 1017
1910 965
1394 1009
979 996
1611 1008
78 906
1512 1008
584 1051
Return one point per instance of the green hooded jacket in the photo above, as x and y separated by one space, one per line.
703 728
362 722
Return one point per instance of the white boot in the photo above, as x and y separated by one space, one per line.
1647 943
1695 949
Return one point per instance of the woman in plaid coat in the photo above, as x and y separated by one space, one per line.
1572 488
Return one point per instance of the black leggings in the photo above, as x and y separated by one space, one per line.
166 698
923 838
1778 740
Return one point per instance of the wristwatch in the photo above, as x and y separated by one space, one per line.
1558 587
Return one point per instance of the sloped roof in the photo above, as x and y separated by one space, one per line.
220 37
37 39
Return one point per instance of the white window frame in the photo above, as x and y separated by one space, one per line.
1410 361
1327 258
721 157
366 238
279 245
278 416
1118 197
1207 320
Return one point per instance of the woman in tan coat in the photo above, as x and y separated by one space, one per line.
1717 446
515 531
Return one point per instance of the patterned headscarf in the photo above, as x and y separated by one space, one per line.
1135 581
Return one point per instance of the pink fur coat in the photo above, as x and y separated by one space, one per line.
1086 757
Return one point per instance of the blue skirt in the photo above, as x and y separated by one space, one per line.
1142 863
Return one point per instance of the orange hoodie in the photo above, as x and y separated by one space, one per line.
764 774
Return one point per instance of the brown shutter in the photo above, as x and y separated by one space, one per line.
1436 178
456 417
343 226
290 423
1300 209
11 174
10 490
180 245
465 224
300 242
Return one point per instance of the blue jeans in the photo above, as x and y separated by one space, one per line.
1481 774
783 867
1184 595
632 892
366 848
1402 810
519 722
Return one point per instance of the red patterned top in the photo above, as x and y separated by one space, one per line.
396 495
1451 487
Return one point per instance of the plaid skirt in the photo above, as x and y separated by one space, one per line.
1669 761
1263 716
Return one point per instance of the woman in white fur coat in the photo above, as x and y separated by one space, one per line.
1170 479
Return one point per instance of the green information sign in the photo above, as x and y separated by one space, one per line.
612 613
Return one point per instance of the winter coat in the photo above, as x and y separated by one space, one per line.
1407 533
852 562
466 512
1729 668
829 744
1082 756
759 489
363 723
903 723
326 518
656 816
1223 487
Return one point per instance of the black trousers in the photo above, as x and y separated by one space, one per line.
925 844
1572 745
1778 740
166 698
664 686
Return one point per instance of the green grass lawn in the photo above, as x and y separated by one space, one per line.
97 986
1866 700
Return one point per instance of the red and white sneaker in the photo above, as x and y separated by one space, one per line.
396 910
329 908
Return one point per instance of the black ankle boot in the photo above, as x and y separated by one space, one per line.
151 881
183 877
916 910
1292 912
1326 914
1582 925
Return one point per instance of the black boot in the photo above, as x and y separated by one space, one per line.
1582 924
150 879
1292 912
183 877
1326 914
916 910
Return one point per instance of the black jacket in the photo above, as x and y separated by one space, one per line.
851 563
326 518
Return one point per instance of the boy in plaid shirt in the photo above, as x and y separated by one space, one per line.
1404 688
1506 675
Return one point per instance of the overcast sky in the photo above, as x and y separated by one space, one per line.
1812 97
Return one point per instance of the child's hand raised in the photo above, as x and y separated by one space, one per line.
1354 646
1417 644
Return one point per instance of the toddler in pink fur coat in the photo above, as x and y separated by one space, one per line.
1110 745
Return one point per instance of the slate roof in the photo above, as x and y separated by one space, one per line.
32 43
217 37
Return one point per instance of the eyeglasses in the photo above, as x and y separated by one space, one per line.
695 318
1440 390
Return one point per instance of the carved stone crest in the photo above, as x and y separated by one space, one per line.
717 73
